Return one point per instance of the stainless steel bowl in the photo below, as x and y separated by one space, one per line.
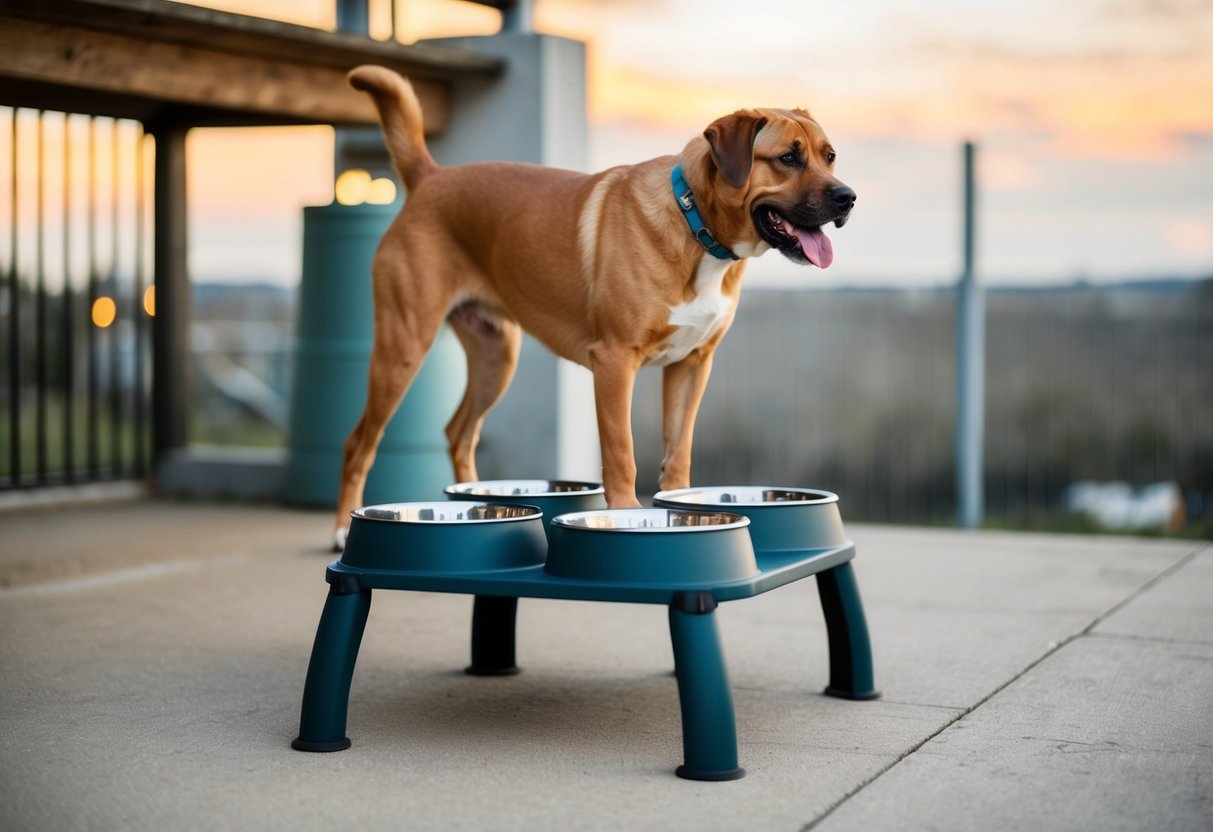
650 520
782 519
522 488
553 496
736 495
452 536
653 547
450 512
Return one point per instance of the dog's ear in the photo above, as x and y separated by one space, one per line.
731 139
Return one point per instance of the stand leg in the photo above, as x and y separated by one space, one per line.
850 648
709 728
493 620
326 693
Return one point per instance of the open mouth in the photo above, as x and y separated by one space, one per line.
799 243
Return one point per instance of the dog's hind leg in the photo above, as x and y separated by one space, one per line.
492 349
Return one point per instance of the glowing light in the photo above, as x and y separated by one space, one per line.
381 192
149 301
352 187
104 311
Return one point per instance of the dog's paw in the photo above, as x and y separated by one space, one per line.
339 536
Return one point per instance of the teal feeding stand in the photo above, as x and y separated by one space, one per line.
689 560
329 377
495 617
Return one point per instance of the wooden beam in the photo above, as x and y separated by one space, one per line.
188 25
231 87
161 61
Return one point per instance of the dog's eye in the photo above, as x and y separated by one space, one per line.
789 159
830 156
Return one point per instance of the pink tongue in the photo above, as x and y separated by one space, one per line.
816 246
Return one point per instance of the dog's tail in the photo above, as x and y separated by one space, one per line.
400 117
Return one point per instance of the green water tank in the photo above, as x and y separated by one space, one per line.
332 351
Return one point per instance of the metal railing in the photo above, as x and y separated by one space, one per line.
76 306
854 392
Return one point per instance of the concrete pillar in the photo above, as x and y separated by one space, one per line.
536 112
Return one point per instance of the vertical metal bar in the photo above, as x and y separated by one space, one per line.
138 327
518 18
115 346
970 366
69 340
14 329
40 322
354 16
94 439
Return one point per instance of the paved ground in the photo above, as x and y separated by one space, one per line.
153 656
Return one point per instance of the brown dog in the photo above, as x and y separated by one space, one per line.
614 271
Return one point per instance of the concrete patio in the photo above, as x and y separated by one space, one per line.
153 657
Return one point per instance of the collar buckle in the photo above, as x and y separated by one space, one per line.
707 240
699 229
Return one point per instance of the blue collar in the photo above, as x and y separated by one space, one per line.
686 201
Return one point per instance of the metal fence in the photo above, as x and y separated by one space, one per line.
76 304
854 392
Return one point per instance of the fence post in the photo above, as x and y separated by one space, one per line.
970 367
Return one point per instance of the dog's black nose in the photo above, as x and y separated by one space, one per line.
842 197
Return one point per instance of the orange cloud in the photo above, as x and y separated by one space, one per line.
622 93
1128 122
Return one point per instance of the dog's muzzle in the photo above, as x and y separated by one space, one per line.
797 232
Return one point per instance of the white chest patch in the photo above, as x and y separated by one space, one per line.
699 318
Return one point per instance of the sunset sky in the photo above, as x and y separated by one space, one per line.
1094 120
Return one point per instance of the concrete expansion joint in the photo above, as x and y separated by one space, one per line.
1052 649
910 751
1146 587
1202 642
963 713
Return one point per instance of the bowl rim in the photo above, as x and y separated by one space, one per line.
533 513
465 488
568 521
678 495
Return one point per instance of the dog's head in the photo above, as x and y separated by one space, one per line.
780 165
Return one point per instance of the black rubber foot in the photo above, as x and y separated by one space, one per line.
472 670
862 696
300 744
711 776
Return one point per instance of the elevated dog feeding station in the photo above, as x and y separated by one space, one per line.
696 549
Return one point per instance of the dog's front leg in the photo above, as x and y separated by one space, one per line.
614 369
682 387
